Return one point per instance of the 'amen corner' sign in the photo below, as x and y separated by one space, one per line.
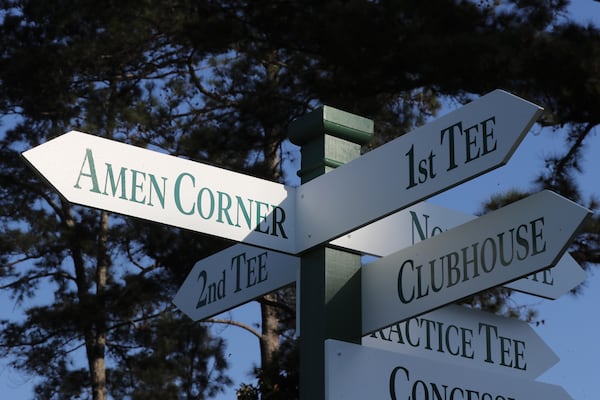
129 180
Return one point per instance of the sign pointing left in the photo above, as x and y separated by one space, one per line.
233 277
129 180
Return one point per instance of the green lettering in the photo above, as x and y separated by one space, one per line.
247 215
115 185
416 224
135 185
278 220
428 324
454 327
236 262
519 355
224 206
89 158
523 242
260 218
537 234
177 189
488 340
488 133
505 351
161 195
395 329
211 202
407 333
470 143
466 343
484 264
401 295
451 150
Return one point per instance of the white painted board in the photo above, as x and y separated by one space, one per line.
459 146
514 241
232 277
354 372
129 180
471 338
424 220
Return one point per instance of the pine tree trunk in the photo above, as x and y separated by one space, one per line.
98 334
94 324
269 343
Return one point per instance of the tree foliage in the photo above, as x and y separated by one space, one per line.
218 81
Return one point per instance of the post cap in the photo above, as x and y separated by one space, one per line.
330 121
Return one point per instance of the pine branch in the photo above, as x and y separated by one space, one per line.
29 278
235 323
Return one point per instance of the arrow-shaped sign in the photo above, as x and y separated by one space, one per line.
129 180
402 229
499 247
424 220
470 338
232 277
356 372
457 147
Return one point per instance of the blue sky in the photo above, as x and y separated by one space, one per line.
571 324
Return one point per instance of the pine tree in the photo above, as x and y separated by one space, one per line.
218 82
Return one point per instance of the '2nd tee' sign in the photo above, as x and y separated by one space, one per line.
233 277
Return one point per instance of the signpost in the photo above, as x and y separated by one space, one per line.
233 277
424 220
359 372
470 338
444 153
129 180
500 247
517 240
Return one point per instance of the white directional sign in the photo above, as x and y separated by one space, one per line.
446 152
354 372
402 229
470 338
233 277
424 220
129 180
514 241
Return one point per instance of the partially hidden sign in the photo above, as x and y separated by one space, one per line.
471 338
355 372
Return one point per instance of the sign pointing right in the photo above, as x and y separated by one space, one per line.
516 240
457 147
355 372
424 220
472 338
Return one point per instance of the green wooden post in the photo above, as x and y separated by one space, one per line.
330 296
